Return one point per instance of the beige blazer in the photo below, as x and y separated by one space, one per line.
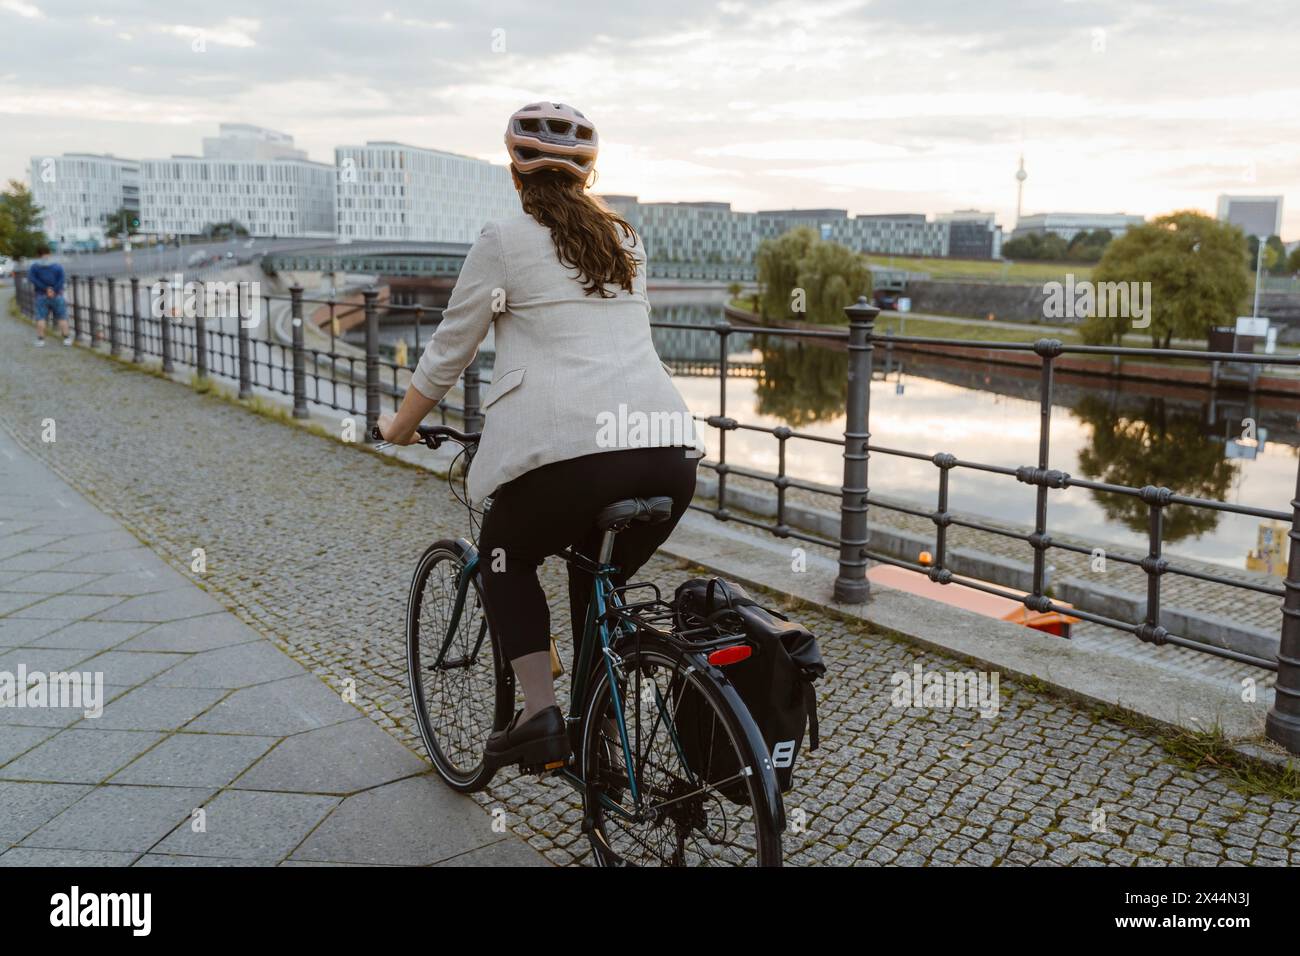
575 374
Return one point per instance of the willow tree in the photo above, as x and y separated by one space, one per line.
805 277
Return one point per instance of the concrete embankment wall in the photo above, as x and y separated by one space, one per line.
1023 302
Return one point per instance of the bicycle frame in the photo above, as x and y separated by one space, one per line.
596 636
597 629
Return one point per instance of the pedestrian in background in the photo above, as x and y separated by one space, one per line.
46 277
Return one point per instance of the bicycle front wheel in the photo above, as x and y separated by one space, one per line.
461 687
686 812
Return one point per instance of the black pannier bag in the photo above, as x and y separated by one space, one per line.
776 684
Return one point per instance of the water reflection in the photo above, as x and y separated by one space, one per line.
802 384
1146 442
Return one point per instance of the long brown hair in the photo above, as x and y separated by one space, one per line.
586 234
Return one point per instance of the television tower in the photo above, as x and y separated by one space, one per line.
1021 176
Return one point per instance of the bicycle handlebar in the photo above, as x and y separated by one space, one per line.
434 435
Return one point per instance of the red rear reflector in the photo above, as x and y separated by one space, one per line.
730 655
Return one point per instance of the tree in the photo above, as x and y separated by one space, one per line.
124 221
1275 259
1036 245
224 230
826 275
778 268
832 277
1293 262
1088 246
20 222
1275 256
1198 275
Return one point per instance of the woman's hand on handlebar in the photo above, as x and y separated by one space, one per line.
399 428
392 433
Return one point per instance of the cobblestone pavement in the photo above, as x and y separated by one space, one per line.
311 543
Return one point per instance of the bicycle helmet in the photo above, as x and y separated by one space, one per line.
552 136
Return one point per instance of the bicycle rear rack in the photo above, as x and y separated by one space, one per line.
658 618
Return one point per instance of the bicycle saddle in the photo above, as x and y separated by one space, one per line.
620 514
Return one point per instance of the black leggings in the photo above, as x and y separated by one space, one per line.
553 507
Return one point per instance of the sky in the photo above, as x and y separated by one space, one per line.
876 106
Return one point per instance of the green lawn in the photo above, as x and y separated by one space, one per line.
986 269
978 332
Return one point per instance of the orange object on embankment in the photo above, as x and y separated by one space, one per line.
972 599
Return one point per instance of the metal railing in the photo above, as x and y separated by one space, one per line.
338 374
135 319
855 498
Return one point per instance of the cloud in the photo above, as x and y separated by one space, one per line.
28 10
762 103
235 32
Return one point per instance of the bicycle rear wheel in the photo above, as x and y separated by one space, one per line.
685 818
461 687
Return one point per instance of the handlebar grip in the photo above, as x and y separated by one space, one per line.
434 435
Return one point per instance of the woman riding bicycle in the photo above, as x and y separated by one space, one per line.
580 413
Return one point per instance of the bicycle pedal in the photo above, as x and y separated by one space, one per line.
542 768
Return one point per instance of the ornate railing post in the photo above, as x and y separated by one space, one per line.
1283 723
137 334
96 333
370 297
241 337
165 323
721 421
71 285
851 585
112 316
473 383
201 338
1040 541
299 358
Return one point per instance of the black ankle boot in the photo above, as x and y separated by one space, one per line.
537 743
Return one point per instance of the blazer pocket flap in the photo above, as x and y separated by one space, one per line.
502 384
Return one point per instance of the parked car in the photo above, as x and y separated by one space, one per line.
6 267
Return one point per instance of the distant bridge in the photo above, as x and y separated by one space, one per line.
443 260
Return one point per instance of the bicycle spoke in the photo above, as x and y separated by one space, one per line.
683 817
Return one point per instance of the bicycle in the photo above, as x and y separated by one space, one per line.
621 714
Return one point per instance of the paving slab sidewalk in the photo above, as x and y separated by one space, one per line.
213 747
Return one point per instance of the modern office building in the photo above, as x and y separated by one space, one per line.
1254 215
244 141
248 175
1069 224
690 231
899 234
713 232
77 192
972 234
410 194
